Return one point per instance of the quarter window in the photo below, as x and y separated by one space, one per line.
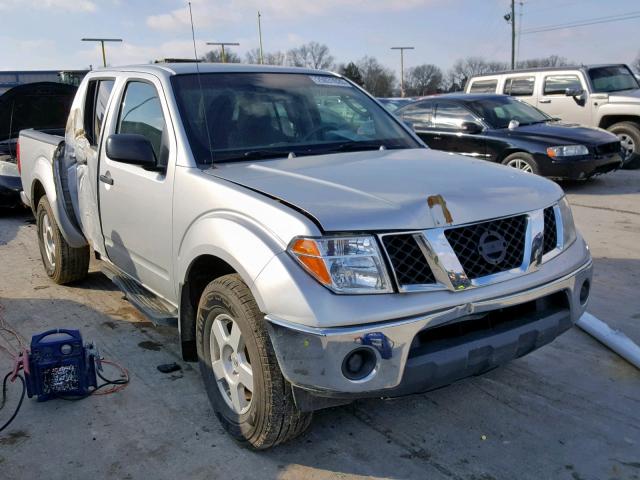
449 116
558 84
483 86
141 113
519 87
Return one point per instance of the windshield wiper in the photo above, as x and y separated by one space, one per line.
357 146
253 155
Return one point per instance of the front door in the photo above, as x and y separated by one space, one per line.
136 204
554 102
448 134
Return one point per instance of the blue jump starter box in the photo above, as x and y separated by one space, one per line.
60 365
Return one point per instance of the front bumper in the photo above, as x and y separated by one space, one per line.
312 358
578 169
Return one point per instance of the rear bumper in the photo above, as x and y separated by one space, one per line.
579 169
417 354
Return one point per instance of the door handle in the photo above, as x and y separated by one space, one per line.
437 137
545 101
106 179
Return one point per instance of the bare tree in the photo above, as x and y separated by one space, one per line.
377 79
423 80
310 55
270 58
215 56
465 68
550 61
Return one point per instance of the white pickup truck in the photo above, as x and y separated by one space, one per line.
309 247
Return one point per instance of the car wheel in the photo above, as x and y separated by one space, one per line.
521 161
247 390
629 135
63 263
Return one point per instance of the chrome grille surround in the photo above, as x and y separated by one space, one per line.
446 267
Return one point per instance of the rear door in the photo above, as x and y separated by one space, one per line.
521 86
447 133
136 204
553 99
419 117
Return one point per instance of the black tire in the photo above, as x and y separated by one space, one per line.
68 264
510 160
629 130
272 416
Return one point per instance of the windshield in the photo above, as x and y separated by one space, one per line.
612 79
263 115
499 111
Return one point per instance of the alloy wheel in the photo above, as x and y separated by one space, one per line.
48 239
231 364
627 144
520 164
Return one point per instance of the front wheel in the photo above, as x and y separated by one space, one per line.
629 135
63 263
247 390
521 161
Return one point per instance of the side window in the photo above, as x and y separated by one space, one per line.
519 86
98 93
483 86
558 84
418 115
450 116
141 113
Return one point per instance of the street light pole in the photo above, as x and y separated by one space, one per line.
402 49
260 36
102 40
222 44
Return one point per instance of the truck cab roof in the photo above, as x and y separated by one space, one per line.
181 68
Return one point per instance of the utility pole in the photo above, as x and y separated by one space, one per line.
260 36
222 45
510 17
402 49
102 40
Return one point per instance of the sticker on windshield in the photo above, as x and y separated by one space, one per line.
329 81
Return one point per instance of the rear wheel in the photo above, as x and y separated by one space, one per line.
629 135
247 390
63 263
521 161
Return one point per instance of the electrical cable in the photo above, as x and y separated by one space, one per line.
4 398
583 23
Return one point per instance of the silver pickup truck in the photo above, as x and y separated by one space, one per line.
309 247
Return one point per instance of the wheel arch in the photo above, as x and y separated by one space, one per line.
509 151
608 120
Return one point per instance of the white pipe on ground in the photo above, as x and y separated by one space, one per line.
614 339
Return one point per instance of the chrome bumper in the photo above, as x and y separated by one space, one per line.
312 358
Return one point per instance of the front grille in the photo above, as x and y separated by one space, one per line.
466 243
550 231
607 148
407 260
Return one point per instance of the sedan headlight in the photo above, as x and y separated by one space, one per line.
343 264
567 151
568 227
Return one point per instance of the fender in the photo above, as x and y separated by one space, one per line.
242 242
43 173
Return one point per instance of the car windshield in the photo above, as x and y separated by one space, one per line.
249 116
612 79
499 111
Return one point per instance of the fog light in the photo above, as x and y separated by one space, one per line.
584 292
359 363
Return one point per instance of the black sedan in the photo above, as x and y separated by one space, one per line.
500 128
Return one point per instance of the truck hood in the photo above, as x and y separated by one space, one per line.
557 133
626 96
388 190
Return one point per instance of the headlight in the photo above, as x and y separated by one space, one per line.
568 227
567 151
343 264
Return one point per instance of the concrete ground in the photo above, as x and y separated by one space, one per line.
570 410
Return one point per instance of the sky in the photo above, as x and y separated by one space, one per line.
45 34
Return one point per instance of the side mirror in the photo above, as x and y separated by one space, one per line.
471 127
577 93
131 148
